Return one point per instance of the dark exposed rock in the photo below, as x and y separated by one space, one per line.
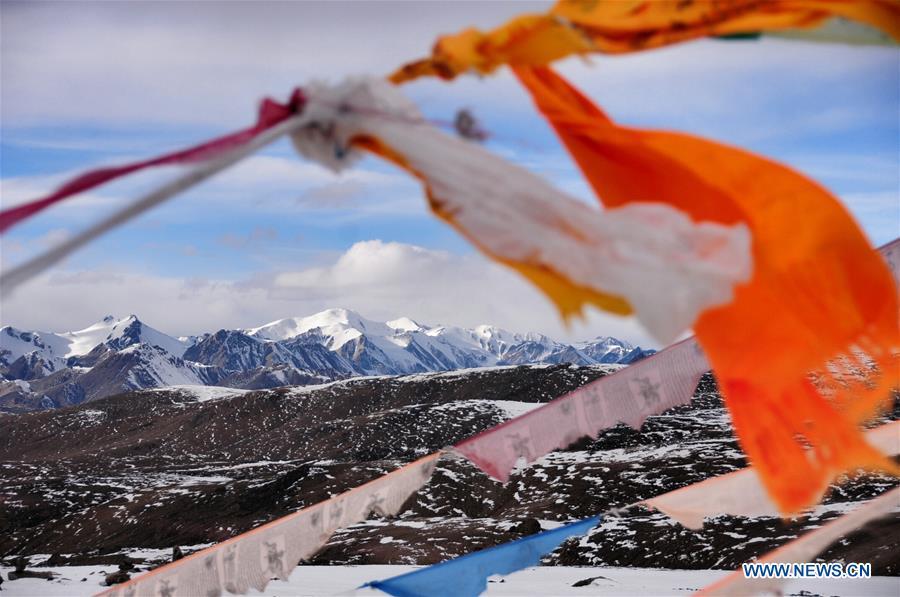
586 582
116 577
21 571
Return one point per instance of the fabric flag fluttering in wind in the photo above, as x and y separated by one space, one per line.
650 258
672 373
648 387
578 27
737 494
467 576
620 27
818 292
254 558
271 113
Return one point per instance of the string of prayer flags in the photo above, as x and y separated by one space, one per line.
250 559
648 387
651 386
767 267
738 494
527 39
818 292
649 258
580 27
254 558
468 574
804 549
672 372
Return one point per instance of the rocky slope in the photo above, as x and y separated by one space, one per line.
137 474
40 370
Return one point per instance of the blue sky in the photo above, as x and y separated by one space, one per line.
98 83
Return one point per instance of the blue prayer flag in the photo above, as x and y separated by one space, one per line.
467 575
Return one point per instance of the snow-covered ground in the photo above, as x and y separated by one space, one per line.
77 581
203 393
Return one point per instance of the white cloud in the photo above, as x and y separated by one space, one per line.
380 280
370 263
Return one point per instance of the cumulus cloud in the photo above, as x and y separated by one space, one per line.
381 280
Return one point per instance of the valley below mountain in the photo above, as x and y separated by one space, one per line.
127 478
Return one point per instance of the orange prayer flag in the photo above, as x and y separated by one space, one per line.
527 39
629 26
621 26
819 292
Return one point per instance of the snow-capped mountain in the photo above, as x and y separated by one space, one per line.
55 351
41 369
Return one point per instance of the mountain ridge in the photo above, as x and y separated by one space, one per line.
40 370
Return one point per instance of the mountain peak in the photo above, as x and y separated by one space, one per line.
404 324
335 316
118 333
329 321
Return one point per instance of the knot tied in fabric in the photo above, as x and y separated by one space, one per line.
650 259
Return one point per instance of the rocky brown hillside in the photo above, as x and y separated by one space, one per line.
138 474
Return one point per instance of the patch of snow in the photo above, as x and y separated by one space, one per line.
84 341
508 408
404 324
191 481
162 368
244 465
202 393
